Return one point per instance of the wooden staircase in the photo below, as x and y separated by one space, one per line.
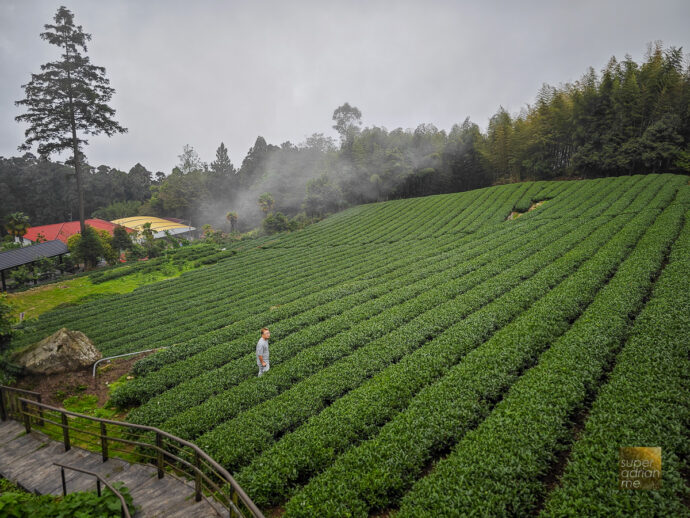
27 460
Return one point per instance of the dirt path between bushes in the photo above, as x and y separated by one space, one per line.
54 388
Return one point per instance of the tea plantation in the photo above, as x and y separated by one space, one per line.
430 356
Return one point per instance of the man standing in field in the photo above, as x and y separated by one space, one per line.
262 351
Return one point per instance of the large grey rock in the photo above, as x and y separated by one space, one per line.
63 351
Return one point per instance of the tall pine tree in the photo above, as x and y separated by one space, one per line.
67 100
222 165
223 180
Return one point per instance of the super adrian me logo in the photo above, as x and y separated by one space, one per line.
639 468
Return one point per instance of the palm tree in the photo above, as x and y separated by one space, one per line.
266 202
17 224
231 217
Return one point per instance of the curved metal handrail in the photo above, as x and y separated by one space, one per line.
93 373
125 508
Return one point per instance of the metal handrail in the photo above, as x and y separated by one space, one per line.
161 453
20 391
99 479
93 374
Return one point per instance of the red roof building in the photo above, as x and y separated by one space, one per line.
63 231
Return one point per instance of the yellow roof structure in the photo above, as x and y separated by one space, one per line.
158 225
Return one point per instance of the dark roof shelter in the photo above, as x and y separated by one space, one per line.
29 254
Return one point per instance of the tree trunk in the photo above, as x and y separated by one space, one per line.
80 190
75 150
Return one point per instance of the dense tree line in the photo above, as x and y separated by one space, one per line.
630 118
45 190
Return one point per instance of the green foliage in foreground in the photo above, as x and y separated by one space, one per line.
17 503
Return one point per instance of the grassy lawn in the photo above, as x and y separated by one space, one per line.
36 301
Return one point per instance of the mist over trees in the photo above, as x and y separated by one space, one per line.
628 119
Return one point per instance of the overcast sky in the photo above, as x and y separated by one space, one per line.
208 71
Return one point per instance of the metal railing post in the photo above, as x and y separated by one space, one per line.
65 432
3 411
27 419
197 477
64 484
104 442
98 487
159 454
40 412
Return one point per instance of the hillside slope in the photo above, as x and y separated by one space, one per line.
426 354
